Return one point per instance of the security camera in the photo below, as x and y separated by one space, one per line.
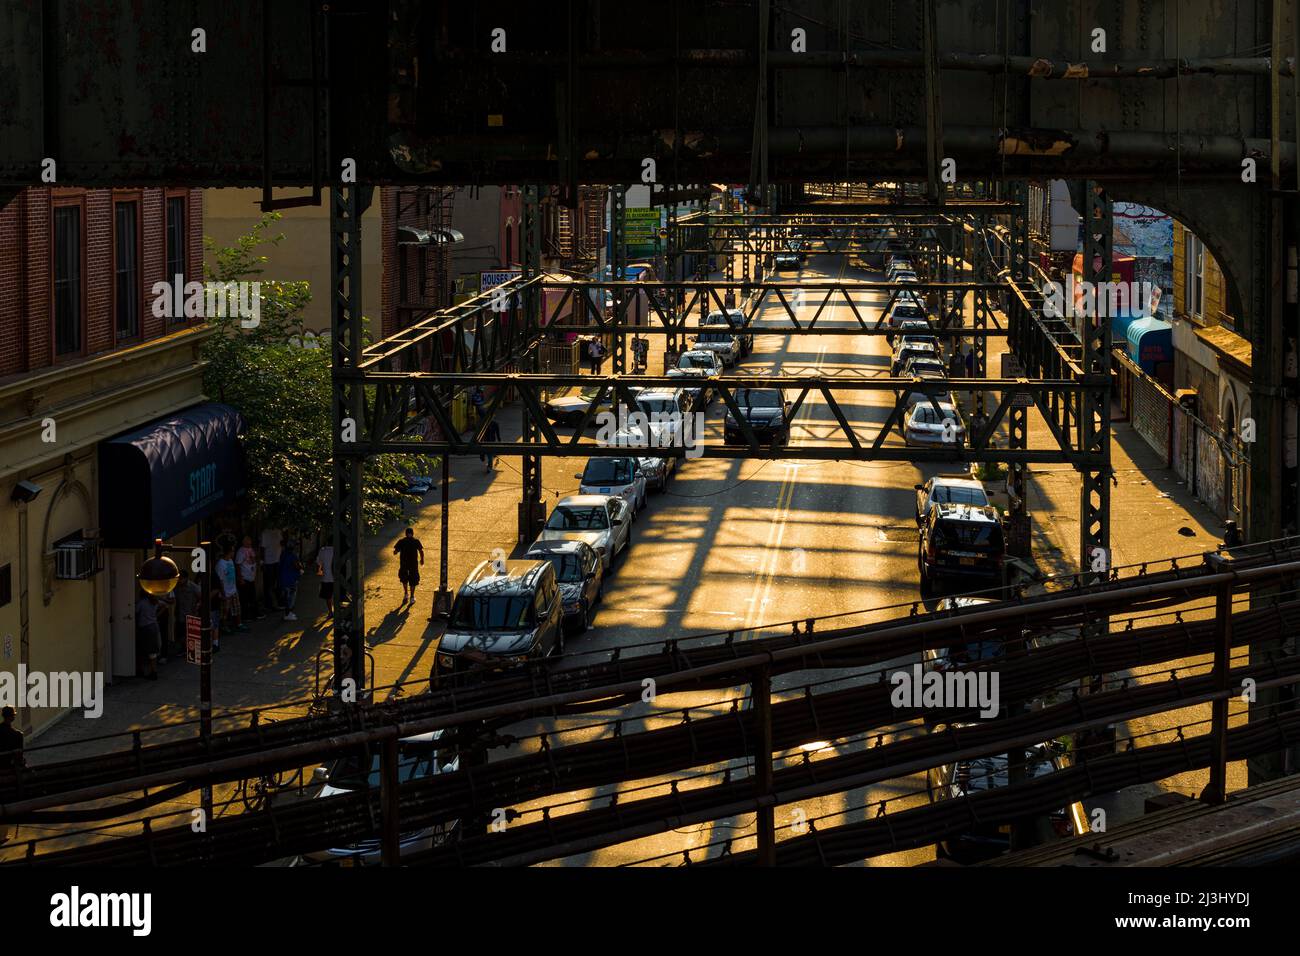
25 492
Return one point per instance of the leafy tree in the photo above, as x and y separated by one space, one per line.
282 389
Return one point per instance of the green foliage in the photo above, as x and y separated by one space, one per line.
282 389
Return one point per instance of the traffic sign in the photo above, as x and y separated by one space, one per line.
193 639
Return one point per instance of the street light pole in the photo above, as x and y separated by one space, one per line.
158 577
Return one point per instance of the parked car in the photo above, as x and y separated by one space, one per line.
948 489
580 576
615 476
602 521
699 367
767 412
922 339
960 542
505 614
987 840
724 343
666 412
915 398
906 308
737 321
923 366
925 427
569 409
786 261
418 758
910 350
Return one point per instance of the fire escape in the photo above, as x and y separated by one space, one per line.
572 238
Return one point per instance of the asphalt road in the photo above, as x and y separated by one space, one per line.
736 545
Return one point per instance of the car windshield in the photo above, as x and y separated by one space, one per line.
926 415
759 398
568 567
415 759
922 366
715 337
660 405
607 471
492 612
695 361
959 494
908 312
573 518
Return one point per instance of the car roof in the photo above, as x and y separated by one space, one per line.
659 393
583 501
952 481
694 352
555 546
964 512
519 577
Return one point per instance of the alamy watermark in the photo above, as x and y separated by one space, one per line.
948 688
656 430
1083 299
64 690
75 909
179 299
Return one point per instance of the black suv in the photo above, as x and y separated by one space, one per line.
765 410
506 613
961 541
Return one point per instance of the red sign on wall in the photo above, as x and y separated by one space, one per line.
193 639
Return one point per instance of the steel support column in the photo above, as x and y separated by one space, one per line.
1018 422
1094 426
348 204
530 505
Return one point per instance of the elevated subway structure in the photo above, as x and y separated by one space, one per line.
711 92
700 749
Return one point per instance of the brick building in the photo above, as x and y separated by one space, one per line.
85 363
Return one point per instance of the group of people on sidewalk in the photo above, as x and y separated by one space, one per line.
234 595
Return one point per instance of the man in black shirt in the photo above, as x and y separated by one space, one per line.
411 555
11 741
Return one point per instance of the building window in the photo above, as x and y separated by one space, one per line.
126 269
67 280
510 246
1194 285
176 243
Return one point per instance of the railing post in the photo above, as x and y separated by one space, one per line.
1217 790
389 794
761 688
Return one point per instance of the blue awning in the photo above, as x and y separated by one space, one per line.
161 479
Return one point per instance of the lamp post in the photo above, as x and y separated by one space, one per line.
159 577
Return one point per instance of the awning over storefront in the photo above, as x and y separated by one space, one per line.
159 480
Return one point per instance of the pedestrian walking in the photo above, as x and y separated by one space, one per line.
147 638
227 575
11 741
246 561
290 575
595 352
493 434
410 553
188 598
640 354
478 399
271 538
325 569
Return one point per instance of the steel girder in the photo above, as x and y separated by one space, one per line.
862 441
349 453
